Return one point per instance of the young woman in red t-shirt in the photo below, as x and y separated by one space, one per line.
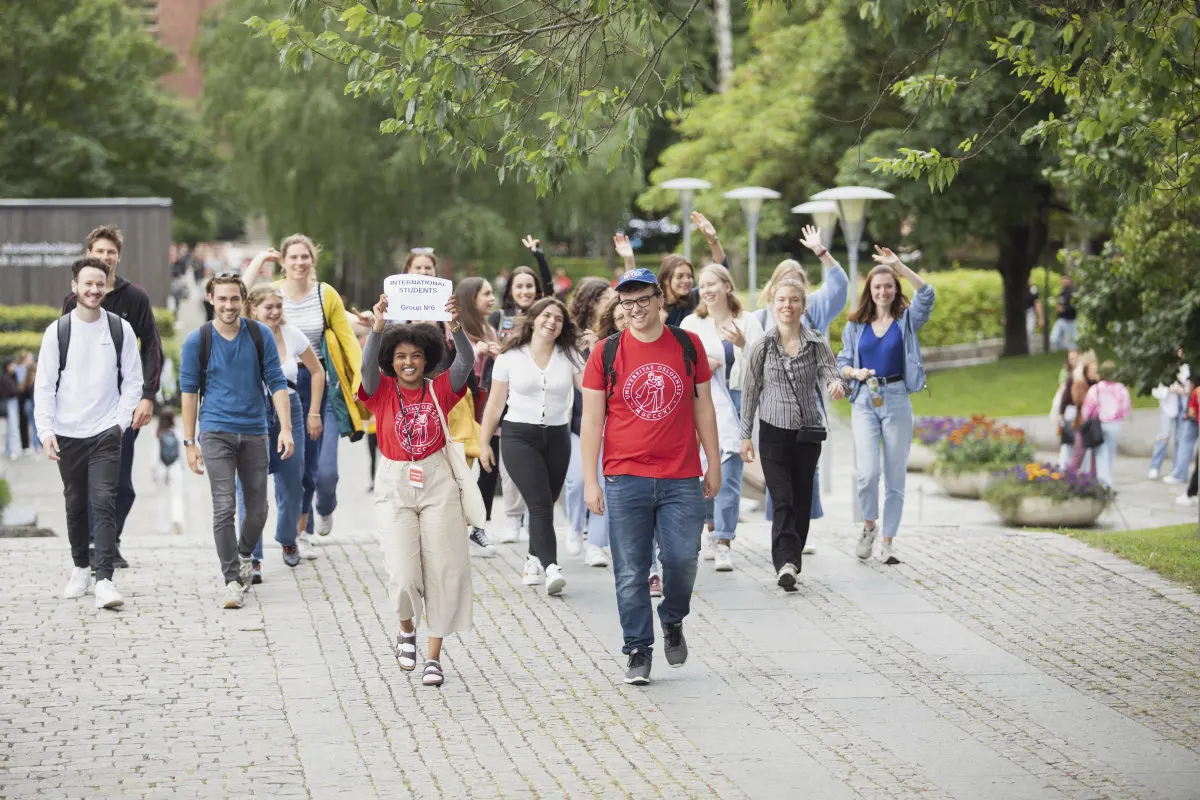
417 501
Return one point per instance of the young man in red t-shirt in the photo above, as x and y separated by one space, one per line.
650 409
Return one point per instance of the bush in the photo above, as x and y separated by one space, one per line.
931 430
5 494
969 307
1006 489
36 318
981 444
14 343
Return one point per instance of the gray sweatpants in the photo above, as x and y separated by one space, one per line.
228 456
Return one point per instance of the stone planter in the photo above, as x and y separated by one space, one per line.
920 458
1046 513
967 484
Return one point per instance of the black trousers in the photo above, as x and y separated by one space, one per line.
537 457
788 468
372 449
90 470
125 493
488 480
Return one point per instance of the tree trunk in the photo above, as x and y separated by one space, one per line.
1014 265
723 28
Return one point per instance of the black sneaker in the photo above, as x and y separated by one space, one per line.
256 576
787 577
674 645
638 673
119 561
291 555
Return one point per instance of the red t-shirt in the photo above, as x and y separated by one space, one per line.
416 433
650 430
1193 408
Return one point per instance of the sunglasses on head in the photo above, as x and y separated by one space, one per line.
422 251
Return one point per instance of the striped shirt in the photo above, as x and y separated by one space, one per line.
783 390
307 315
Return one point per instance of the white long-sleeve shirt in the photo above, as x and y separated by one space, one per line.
87 401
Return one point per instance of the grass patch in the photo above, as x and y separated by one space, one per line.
1173 551
1011 387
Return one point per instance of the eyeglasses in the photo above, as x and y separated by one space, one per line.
422 251
640 302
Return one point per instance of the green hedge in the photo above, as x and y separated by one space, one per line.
970 306
14 342
38 318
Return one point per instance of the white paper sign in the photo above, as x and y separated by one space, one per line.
417 297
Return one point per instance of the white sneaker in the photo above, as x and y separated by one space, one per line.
887 552
555 580
1184 500
808 550
107 595
235 595
479 544
723 559
595 556
1171 479
78 583
534 576
305 547
324 524
707 546
1153 475
574 543
866 543
512 531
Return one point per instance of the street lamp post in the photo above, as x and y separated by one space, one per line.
825 216
686 188
751 198
852 202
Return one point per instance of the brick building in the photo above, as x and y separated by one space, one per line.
177 24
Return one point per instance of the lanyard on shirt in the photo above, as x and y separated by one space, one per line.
404 417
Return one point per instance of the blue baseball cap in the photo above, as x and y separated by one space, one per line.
639 275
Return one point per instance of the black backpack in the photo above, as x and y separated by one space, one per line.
206 339
609 357
64 343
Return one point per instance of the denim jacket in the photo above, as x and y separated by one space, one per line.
915 316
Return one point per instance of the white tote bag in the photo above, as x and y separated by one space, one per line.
468 490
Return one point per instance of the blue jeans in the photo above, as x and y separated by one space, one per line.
725 505
636 508
34 441
1106 453
888 428
1185 443
289 480
1167 431
1062 335
327 465
312 450
12 427
576 510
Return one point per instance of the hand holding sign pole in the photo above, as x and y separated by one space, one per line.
417 298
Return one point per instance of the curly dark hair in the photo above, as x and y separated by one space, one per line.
568 337
583 302
422 335
606 326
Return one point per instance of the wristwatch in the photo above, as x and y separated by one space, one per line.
188 442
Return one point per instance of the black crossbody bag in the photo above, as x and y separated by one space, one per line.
808 434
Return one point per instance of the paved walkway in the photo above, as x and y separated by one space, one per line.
991 664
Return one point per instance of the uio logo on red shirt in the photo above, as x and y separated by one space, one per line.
652 391
420 422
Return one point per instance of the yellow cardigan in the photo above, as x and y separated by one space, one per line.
344 353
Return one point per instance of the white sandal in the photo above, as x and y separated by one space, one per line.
406 650
433 673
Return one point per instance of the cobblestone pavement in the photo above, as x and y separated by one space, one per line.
991 664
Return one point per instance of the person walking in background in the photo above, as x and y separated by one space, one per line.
223 368
1063 410
132 304
726 329
676 275
1109 401
1087 375
418 503
523 289
168 469
1172 414
1192 413
26 376
1062 335
881 357
1035 318
10 393
647 394
538 371
85 397
781 370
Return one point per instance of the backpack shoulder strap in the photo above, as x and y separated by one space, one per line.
117 331
64 343
259 347
321 302
206 334
608 358
690 356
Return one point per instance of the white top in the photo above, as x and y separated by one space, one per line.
1172 405
307 315
706 329
87 401
537 396
295 342
729 437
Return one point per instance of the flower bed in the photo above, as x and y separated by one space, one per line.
972 451
1043 494
927 432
